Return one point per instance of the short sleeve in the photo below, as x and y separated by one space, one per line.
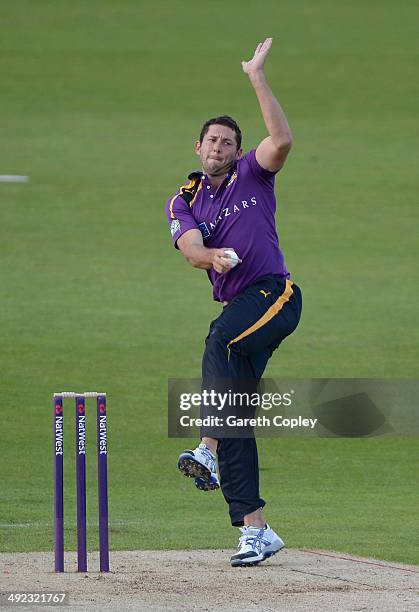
180 218
266 177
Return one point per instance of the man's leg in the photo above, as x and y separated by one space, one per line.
237 456
238 346
239 473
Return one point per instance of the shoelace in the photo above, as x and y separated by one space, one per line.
209 457
255 540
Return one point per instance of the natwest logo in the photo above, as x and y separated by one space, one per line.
81 431
103 446
58 435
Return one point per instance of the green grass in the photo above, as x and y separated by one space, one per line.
101 102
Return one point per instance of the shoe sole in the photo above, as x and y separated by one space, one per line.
191 468
206 485
252 561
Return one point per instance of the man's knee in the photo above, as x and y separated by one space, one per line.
217 339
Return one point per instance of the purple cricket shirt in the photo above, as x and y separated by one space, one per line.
239 214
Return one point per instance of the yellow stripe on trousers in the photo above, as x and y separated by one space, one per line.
269 314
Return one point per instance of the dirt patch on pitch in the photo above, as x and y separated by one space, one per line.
203 580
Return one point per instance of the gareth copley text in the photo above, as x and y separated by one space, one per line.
259 421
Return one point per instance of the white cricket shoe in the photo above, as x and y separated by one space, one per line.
255 545
200 464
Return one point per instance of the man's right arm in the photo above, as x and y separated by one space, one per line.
191 245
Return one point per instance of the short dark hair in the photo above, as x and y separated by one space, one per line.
222 120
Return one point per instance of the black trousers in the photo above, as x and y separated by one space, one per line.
239 344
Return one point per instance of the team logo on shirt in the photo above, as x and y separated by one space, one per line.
204 230
227 212
174 226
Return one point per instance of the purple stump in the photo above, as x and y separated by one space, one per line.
58 482
102 479
81 483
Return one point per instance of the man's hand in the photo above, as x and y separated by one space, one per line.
191 244
221 262
256 63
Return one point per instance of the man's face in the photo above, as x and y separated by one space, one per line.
218 150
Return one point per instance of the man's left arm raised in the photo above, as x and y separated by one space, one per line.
273 150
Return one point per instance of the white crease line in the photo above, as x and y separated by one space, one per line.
13 178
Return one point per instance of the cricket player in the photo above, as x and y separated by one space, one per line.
223 221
